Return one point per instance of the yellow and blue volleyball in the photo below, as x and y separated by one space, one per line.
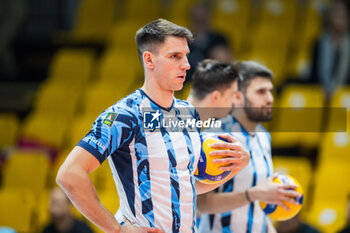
276 212
207 171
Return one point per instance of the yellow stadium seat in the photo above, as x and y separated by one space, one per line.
298 118
272 36
331 190
27 169
80 127
9 126
72 67
94 20
100 97
278 16
142 11
180 11
122 36
300 169
114 82
339 112
18 210
54 109
274 59
45 129
118 69
231 18
58 101
335 146
329 216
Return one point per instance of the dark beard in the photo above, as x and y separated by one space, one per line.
256 114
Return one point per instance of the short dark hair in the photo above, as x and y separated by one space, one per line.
211 75
249 70
155 32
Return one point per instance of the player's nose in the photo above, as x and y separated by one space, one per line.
185 65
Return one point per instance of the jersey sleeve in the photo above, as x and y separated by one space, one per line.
111 130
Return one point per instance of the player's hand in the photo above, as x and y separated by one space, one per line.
129 228
275 193
235 158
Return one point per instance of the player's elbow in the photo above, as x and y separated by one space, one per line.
63 179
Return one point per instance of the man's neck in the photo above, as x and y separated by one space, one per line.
202 108
241 116
163 98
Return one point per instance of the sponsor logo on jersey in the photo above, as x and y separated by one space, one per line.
110 118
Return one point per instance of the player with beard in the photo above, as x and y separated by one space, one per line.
234 207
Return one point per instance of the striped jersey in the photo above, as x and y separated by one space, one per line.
152 167
248 218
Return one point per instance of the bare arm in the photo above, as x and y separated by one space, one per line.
269 192
73 178
213 202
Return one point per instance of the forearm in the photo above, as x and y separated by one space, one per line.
204 188
213 202
83 195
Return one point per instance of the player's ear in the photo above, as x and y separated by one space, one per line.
215 95
148 59
238 99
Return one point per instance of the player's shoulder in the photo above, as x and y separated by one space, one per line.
265 133
125 110
184 105
261 128
129 104
230 124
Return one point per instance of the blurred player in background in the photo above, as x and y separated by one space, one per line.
331 54
62 217
234 207
153 169
214 83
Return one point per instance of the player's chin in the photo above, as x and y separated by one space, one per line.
178 87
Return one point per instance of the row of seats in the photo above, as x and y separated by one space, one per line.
301 115
58 98
277 33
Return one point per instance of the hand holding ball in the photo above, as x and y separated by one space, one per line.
278 213
208 171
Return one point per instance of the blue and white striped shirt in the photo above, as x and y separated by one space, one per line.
153 170
248 218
